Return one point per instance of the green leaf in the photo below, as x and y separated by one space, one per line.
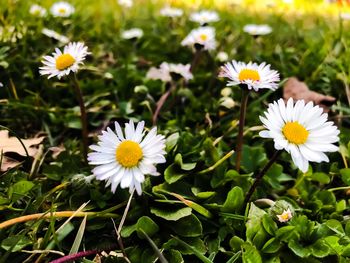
269 224
173 256
147 225
236 243
154 247
285 233
173 174
78 237
61 234
321 178
271 246
234 200
335 226
198 254
345 175
184 166
171 215
254 229
332 242
20 189
320 249
250 254
194 242
252 158
128 230
188 226
298 249
171 141
15 242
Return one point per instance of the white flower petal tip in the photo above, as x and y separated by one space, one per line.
285 216
254 76
171 11
62 9
203 37
300 129
257 30
165 69
204 17
125 3
124 158
132 33
62 63
37 10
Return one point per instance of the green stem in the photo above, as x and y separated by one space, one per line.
211 168
83 116
260 176
244 101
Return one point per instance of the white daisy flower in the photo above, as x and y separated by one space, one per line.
171 11
222 56
53 34
253 75
204 17
302 130
202 36
165 69
62 9
62 63
37 10
257 30
126 159
132 33
182 70
125 3
285 216
227 102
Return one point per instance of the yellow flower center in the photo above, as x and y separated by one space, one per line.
295 132
250 74
128 154
64 61
203 37
284 216
62 10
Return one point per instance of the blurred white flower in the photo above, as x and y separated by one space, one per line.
227 102
345 16
302 130
165 69
285 216
132 33
126 157
253 75
204 37
226 92
37 10
53 34
171 11
62 9
62 63
257 30
204 17
125 3
222 56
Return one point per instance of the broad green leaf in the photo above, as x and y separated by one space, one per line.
202 195
194 242
171 141
171 214
321 178
198 254
250 254
147 225
320 249
173 174
335 226
271 246
236 243
184 166
252 158
269 224
128 230
188 226
299 249
332 242
15 242
345 175
173 256
254 229
154 247
20 189
234 200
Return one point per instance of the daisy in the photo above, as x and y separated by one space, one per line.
285 216
171 11
125 3
257 30
182 70
253 75
222 56
62 63
204 17
53 34
62 9
125 159
165 69
202 36
37 10
302 130
132 33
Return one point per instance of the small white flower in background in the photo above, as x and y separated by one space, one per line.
204 17
253 75
163 72
62 63
62 9
125 158
53 34
1 85
132 33
222 56
227 102
83 178
125 3
302 130
37 10
171 11
345 16
226 92
285 216
203 36
257 30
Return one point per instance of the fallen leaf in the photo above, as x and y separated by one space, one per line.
298 90
56 150
7 163
12 144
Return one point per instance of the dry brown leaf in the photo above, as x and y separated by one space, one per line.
12 144
298 90
56 150
7 163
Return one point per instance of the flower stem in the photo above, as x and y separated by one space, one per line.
260 176
211 168
83 116
244 101
196 58
161 102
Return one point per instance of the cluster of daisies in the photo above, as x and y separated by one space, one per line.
123 157
58 9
